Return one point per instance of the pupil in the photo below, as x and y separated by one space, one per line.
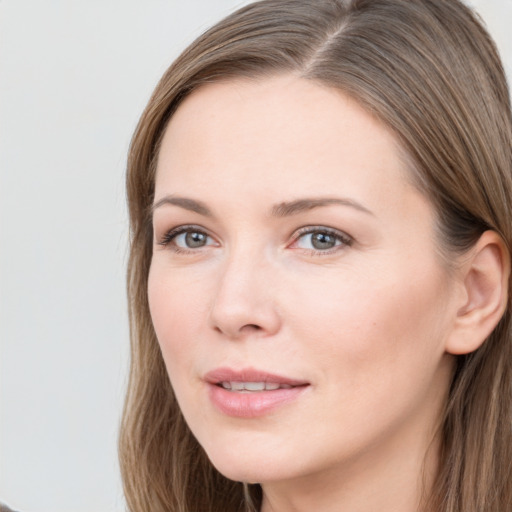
195 239
323 241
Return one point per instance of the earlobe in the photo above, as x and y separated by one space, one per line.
485 276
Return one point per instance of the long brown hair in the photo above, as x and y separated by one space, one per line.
429 71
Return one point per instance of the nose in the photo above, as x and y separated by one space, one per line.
244 302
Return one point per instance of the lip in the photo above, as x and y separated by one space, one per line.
255 403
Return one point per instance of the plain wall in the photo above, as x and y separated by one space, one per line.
74 77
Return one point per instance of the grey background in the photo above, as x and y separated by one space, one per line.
74 77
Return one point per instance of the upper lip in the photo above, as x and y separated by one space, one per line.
249 375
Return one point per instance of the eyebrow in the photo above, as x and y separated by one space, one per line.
301 205
284 209
184 202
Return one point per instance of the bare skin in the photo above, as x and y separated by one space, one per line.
289 239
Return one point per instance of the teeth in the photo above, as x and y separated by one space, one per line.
253 386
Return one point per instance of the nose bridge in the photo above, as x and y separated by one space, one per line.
243 301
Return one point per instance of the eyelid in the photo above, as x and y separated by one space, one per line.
346 239
167 238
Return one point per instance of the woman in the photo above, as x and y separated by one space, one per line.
319 198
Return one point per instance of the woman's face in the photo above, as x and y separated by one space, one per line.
300 303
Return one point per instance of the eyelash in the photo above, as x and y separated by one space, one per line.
169 237
344 239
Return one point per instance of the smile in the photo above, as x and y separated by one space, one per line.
253 386
250 393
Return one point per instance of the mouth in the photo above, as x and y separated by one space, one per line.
251 387
250 393
250 380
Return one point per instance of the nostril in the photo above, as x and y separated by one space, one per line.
240 318
245 330
251 327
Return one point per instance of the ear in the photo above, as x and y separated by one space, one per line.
484 276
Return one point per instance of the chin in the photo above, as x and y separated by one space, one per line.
252 463
249 473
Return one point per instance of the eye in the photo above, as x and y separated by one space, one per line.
186 238
320 239
191 239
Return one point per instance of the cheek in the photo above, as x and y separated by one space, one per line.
377 321
376 348
178 313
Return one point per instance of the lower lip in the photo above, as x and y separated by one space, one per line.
254 403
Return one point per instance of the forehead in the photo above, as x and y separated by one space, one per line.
284 133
